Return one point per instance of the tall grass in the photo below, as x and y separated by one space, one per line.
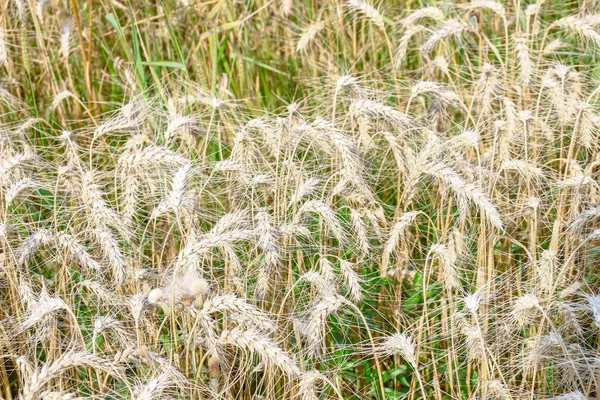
299 200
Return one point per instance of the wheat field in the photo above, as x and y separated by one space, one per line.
285 199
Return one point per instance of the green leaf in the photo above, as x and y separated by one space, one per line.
137 52
392 394
110 17
418 279
393 373
263 65
174 37
166 64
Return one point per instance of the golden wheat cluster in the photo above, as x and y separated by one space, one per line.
420 219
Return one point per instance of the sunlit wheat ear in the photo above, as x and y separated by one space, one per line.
552 46
143 354
368 10
273 133
588 121
313 325
558 97
571 290
124 121
155 156
532 9
308 387
12 163
104 295
287 7
241 309
435 89
467 192
326 269
571 396
571 84
257 343
268 239
430 12
42 237
474 341
52 395
45 305
234 219
472 302
59 98
246 150
579 26
375 110
25 368
77 251
352 168
578 180
348 80
20 8
292 231
155 387
66 35
525 64
457 241
53 369
190 256
183 289
594 235
399 344
402 48
441 63
452 27
510 116
546 267
101 215
352 280
402 153
325 135
18 189
10 100
5 231
396 235
69 173
492 5
39 10
3 49
309 36
594 307
112 325
543 349
488 87
136 305
320 282
177 200
327 216
183 127
263 285
525 309
526 169
447 259
360 228
497 390
110 247
467 139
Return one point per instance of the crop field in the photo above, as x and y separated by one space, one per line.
300 199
